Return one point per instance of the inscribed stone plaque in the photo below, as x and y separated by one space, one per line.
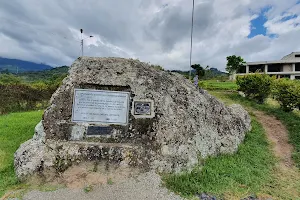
100 106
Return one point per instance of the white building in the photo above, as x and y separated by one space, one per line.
288 66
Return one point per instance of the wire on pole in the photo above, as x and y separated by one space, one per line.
191 50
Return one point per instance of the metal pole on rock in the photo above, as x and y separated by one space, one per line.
81 42
191 51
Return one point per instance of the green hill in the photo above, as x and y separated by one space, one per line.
46 75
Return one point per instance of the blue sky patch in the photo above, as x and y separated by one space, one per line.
273 36
289 17
257 24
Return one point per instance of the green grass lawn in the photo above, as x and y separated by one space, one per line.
290 120
15 129
241 174
218 85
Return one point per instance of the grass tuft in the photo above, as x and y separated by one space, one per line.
109 181
88 188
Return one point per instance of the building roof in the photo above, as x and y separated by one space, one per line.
290 58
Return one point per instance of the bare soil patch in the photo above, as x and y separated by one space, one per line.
278 135
86 174
145 186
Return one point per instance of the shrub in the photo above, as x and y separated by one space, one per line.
287 93
9 79
18 95
255 86
22 97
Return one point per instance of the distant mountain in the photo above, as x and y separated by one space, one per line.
215 71
15 65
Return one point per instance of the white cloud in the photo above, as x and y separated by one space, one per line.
156 31
279 26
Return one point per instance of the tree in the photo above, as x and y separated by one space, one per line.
199 70
234 63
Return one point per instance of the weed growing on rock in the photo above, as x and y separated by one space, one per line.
88 188
109 181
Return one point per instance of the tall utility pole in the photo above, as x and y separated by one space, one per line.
81 41
191 51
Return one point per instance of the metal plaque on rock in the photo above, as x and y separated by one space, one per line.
99 130
142 108
100 106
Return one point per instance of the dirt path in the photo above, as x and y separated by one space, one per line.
278 135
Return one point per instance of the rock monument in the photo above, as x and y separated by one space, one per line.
124 113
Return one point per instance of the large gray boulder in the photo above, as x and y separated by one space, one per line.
185 123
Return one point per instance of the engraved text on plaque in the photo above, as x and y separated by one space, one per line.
100 106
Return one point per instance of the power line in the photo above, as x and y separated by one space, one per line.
191 50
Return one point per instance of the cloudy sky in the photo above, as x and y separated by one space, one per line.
155 31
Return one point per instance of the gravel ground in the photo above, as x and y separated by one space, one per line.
146 186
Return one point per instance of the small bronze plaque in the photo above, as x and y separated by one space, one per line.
99 130
142 108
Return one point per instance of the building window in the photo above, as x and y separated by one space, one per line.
241 70
256 68
297 55
297 77
297 67
275 68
